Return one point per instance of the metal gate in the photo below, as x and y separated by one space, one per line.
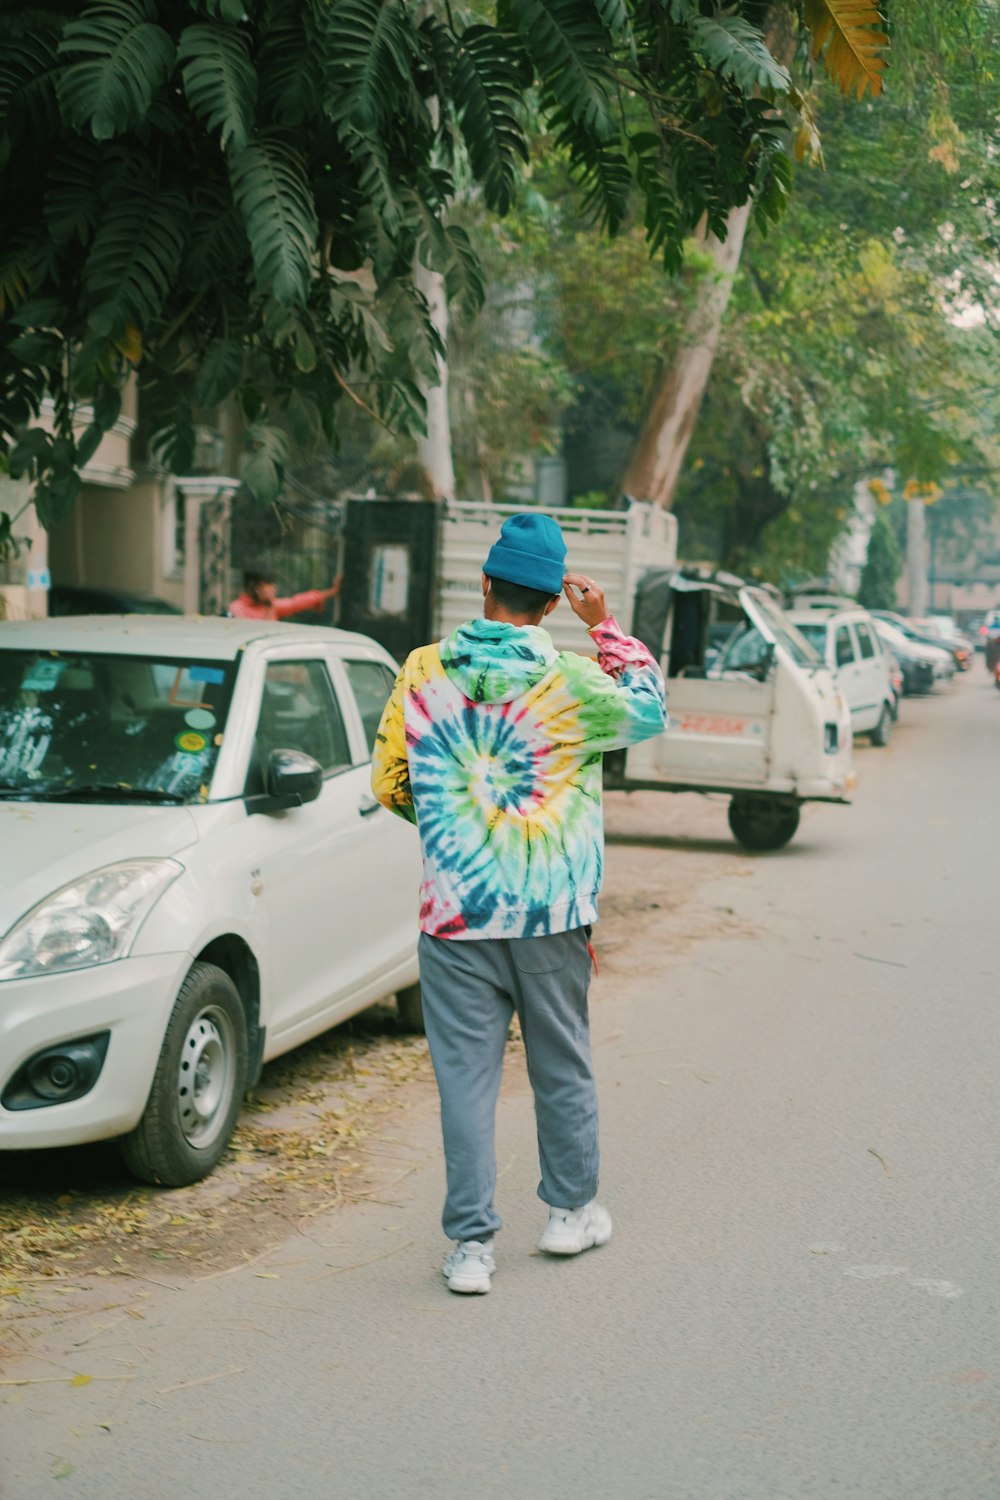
390 562
299 543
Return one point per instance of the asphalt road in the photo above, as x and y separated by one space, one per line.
801 1298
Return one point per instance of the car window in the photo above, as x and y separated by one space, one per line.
87 725
371 682
868 649
299 711
815 633
843 647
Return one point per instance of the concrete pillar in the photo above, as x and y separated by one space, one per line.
916 557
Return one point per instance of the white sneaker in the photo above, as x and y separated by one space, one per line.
571 1230
469 1266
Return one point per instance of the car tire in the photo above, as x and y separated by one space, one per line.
410 1005
198 1086
762 824
882 732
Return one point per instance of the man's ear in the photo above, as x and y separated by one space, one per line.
551 605
486 585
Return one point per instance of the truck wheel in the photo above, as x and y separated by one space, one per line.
198 1085
763 823
411 1008
883 729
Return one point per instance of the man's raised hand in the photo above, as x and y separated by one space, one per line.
586 599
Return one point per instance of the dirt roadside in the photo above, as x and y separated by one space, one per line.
328 1124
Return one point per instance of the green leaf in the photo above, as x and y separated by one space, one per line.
289 76
218 248
371 46
107 405
568 48
304 420
30 454
56 494
220 81
135 256
488 93
274 200
738 51
614 16
73 191
30 67
124 58
220 373
38 347
226 10
88 443
263 471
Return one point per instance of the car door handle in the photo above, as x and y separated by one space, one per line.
368 805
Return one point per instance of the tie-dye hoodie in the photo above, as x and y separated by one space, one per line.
491 743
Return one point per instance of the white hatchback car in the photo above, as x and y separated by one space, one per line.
848 642
195 874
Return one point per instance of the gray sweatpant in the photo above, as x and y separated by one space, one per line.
471 989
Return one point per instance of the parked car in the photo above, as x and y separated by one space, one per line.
944 631
990 632
196 877
941 656
73 599
849 645
917 664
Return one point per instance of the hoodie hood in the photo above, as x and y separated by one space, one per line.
490 661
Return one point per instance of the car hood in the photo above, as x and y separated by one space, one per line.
47 845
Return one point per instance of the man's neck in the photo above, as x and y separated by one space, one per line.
505 617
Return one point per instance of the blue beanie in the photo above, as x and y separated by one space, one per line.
531 551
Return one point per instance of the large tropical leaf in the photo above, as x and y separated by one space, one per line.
488 89
614 16
220 372
737 50
135 255
264 468
29 106
73 191
852 31
217 248
288 70
220 81
275 203
568 46
371 46
122 59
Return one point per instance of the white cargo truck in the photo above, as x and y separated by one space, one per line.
754 712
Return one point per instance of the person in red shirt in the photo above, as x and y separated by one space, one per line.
259 599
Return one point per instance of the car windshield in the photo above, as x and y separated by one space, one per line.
786 634
86 726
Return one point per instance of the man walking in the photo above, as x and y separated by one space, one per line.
491 743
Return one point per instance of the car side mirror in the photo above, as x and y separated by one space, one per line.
294 775
761 668
293 779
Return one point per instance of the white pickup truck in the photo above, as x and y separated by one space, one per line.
754 712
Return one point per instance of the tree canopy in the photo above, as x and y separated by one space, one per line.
228 196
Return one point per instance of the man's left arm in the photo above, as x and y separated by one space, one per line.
625 701
390 763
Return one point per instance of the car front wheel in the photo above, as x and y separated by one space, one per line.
198 1085
883 729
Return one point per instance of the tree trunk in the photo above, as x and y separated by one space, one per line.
434 450
655 465
916 558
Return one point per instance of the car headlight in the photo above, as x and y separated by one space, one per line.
91 921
